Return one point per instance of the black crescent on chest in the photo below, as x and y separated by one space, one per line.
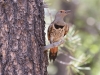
58 26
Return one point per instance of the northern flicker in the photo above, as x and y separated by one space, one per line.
56 31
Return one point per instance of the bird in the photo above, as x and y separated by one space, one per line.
56 31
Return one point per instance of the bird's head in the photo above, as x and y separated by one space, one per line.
62 13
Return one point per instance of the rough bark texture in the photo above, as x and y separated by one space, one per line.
22 37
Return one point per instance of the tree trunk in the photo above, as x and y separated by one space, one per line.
22 37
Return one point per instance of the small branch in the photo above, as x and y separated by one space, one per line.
64 63
71 57
83 68
56 44
74 59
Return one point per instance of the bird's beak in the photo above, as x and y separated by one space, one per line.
68 11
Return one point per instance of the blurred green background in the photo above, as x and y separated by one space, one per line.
80 54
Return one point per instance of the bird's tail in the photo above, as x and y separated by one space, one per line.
53 53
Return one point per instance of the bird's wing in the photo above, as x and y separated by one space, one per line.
66 29
49 31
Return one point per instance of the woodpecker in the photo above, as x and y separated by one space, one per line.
56 31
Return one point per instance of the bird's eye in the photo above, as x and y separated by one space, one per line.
61 11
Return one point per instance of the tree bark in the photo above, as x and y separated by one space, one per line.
22 37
